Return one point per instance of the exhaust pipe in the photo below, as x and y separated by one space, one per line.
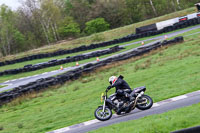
141 93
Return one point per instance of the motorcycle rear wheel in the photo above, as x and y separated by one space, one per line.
103 116
146 102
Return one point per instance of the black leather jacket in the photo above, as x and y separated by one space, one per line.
121 84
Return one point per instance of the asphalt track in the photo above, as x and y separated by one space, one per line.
158 108
25 80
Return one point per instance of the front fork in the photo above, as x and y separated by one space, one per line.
104 104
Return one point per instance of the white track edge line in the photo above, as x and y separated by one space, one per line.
61 130
7 81
179 98
156 105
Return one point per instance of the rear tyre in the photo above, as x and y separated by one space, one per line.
144 102
103 116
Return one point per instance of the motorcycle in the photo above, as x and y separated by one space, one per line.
114 102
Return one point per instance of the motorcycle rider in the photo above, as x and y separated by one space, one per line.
122 87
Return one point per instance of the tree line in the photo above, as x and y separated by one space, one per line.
42 22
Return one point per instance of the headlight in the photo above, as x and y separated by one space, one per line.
102 97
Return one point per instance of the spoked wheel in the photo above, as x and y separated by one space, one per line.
144 102
103 116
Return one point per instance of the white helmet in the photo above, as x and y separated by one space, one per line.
112 80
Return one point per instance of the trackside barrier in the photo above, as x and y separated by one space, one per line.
189 130
145 31
56 62
169 24
43 83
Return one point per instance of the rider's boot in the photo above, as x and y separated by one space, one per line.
120 107
119 110
132 96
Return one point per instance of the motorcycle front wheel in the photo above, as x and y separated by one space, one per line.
103 116
144 102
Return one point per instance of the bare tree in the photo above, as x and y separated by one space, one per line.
7 29
178 3
154 9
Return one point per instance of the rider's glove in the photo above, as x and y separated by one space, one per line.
109 87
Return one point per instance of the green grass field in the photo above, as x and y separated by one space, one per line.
163 123
103 36
167 72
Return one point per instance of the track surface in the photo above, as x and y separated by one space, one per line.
22 81
160 107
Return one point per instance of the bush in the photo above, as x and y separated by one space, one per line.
19 40
69 28
96 25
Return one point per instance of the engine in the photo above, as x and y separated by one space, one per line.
118 103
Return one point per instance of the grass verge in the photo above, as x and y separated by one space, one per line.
167 72
163 123
1 86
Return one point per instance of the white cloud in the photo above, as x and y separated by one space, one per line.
14 4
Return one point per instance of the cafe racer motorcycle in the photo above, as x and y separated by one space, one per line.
114 102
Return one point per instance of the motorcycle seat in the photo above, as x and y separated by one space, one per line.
140 88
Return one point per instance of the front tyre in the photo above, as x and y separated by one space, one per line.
103 116
144 102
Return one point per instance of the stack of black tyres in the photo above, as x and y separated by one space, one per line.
55 62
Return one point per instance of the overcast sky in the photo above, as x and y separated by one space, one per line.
14 4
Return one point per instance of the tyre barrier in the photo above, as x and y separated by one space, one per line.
169 24
43 83
189 130
55 62
146 31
